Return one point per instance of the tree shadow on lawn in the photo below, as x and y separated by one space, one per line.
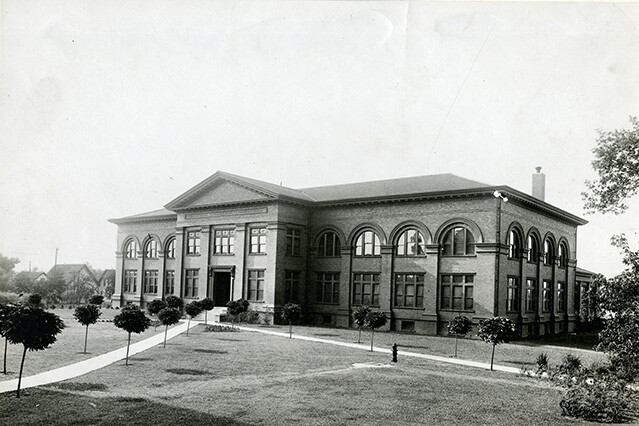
44 406
210 351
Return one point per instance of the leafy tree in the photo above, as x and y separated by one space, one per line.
4 318
206 304
96 299
168 316
23 283
619 297
193 309
87 315
80 289
132 320
34 299
375 320
34 327
459 326
496 330
6 272
236 307
617 163
154 307
55 287
8 263
291 313
359 316
174 302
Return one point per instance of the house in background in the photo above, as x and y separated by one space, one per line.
34 276
106 283
79 281
421 249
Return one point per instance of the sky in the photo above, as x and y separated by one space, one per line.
113 108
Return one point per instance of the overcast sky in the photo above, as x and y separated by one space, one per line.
112 108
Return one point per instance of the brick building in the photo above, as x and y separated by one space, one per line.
421 249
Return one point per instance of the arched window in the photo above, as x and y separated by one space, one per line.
410 243
151 250
170 249
549 252
514 244
458 241
533 249
563 255
131 250
367 244
329 244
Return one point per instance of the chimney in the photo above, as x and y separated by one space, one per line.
539 184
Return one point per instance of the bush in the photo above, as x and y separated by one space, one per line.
219 328
174 302
34 299
542 363
96 299
606 399
570 365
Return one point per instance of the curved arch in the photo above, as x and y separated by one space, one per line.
329 242
125 246
533 250
428 237
515 240
155 251
563 252
514 226
367 226
472 226
329 228
167 240
169 252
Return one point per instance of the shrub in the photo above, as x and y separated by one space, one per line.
168 316
496 330
542 363
192 309
156 306
206 304
236 307
132 320
375 320
219 328
605 399
96 299
34 299
174 302
459 326
87 315
570 365
291 313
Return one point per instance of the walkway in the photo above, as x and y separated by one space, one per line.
92 364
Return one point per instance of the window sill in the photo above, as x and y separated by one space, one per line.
470 311
223 254
257 254
327 303
408 256
412 308
368 256
194 254
361 304
459 255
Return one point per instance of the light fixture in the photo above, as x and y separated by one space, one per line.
498 194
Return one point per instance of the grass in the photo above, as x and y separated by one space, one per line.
103 337
251 378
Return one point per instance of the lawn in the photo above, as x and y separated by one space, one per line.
251 378
103 337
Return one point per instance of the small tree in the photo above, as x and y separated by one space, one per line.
4 318
174 302
359 316
87 315
34 300
193 309
375 320
96 299
206 304
132 320
496 330
459 326
236 307
156 306
34 327
291 313
168 316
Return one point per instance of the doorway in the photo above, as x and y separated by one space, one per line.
221 288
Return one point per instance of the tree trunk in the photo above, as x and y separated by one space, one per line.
492 357
455 346
165 331
128 343
359 334
188 325
372 335
290 330
206 317
24 353
6 342
86 336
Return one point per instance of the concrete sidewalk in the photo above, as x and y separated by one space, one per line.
92 364
456 361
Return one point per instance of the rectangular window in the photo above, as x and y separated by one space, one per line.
255 285
169 282
409 290
512 295
531 295
193 242
293 242
224 241
130 281
546 296
151 282
561 297
457 292
328 288
366 289
291 286
258 240
192 281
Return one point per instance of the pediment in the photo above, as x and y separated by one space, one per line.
219 192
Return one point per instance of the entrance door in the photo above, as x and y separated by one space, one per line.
221 288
